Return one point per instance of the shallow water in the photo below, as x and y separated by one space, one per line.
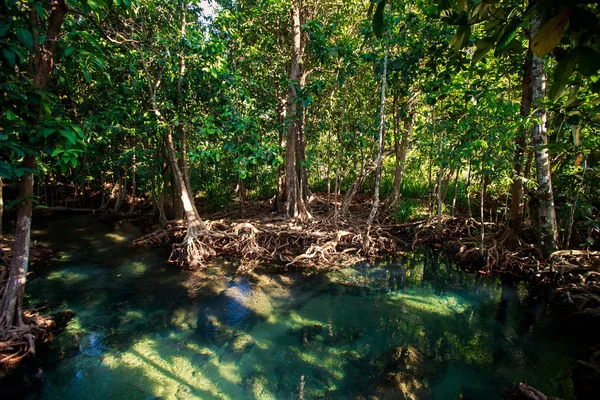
144 330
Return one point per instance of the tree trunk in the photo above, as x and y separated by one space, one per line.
194 222
133 184
280 196
401 150
122 191
515 223
482 217
294 204
380 144
1 207
10 307
455 189
576 130
438 194
467 187
548 231
10 304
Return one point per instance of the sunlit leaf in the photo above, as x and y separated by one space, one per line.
509 34
550 35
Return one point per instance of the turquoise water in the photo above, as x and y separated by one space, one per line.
411 328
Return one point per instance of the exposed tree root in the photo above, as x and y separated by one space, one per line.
317 243
16 342
571 277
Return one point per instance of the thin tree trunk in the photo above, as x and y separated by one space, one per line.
133 184
430 174
439 184
194 223
401 150
467 187
1 207
455 190
482 217
576 130
515 223
280 196
548 231
380 144
122 189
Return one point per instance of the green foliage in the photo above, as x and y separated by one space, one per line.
410 209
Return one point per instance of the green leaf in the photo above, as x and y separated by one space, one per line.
378 20
47 131
10 56
460 38
24 36
16 149
68 51
589 61
563 71
509 34
478 55
3 29
550 35
79 131
10 116
57 152
69 135
39 9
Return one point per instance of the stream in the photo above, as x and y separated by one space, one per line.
415 327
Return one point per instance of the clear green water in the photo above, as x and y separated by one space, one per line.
414 328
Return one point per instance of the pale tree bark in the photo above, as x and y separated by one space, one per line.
280 196
548 231
294 201
133 182
401 150
438 192
380 144
467 187
11 302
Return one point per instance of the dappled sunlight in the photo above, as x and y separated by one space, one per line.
132 269
67 277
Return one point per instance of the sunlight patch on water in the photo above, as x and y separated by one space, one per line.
132 269
66 276
115 237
